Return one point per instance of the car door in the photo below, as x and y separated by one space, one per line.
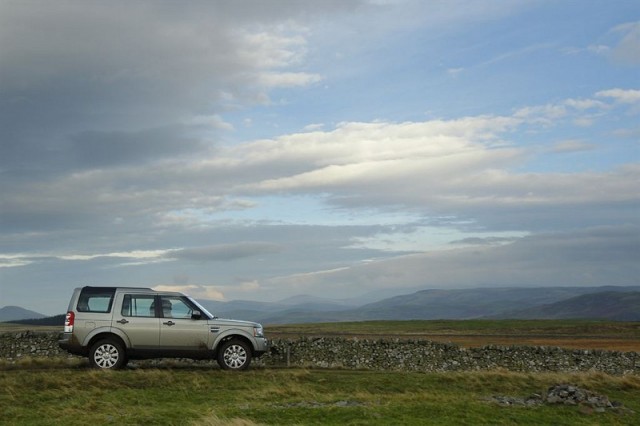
178 330
137 319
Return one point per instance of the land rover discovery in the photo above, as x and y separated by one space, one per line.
111 325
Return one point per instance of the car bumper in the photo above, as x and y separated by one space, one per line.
262 345
64 341
67 343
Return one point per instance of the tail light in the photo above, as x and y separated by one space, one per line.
68 322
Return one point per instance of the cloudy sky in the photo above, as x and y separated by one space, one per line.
341 148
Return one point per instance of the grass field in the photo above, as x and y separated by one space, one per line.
41 392
205 396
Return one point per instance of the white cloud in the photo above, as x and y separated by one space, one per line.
627 96
585 104
628 48
459 165
572 145
288 79
214 121
133 255
599 49
465 166
131 258
313 127
546 115
14 260
247 286
621 44
146 65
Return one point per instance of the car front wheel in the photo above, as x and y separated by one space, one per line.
234 355
107 354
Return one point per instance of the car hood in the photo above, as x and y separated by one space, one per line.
231 322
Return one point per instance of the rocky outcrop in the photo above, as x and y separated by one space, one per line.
564 394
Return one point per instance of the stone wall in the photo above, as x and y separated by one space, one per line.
424 355
16 345
405 355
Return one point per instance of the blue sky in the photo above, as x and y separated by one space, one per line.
342 149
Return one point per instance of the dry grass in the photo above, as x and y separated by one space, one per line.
623 345
5 326
571 334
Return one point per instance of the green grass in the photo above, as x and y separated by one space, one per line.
208 396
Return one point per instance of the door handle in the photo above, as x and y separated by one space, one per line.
122 321
169 323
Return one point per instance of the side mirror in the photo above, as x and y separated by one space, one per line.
196 315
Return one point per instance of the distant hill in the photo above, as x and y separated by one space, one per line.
13 313
443 304
606 302
463 303
423 304
609 305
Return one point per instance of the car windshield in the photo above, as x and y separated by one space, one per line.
202 309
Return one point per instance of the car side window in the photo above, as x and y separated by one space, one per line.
175 307
95 300
138 305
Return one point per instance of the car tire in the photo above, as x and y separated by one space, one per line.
234 354
107 354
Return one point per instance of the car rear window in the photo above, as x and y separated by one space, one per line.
95 299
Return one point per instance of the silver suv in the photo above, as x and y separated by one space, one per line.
111 325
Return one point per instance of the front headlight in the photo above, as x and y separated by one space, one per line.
258 331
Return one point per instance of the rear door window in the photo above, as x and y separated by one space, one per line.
138 305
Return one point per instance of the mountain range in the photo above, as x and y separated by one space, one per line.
541 303
607 302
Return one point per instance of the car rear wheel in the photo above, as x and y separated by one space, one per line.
234 355
107 354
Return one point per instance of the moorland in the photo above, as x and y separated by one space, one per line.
46 391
